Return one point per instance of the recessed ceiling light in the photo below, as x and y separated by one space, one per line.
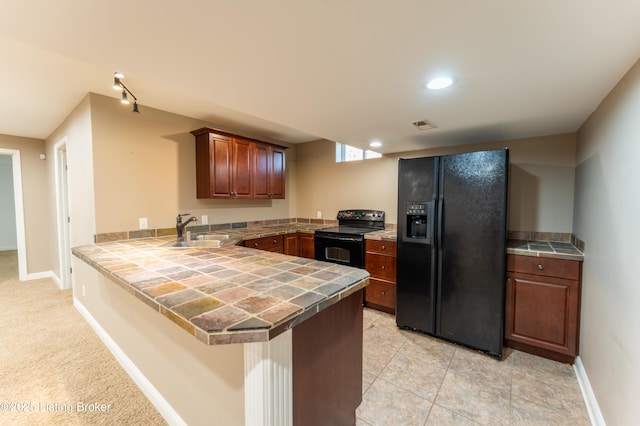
375 144
439 83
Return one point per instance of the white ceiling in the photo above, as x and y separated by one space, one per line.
345 70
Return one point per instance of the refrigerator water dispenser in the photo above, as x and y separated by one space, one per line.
418 216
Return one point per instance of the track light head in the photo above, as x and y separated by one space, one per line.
119 85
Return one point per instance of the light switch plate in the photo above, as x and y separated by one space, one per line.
205 219
143 223
318 214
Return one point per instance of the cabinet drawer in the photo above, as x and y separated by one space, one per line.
274 243
381 293
382 247
381 266
568 269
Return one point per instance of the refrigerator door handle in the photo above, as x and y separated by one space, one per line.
439 222
437 275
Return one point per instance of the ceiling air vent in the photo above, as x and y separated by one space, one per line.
424 125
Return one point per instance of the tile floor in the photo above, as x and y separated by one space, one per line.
413 379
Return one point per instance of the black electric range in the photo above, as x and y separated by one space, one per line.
344 244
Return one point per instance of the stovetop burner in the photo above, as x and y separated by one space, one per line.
344 229
356 222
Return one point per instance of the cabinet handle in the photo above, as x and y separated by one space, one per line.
382 293
540 266
381 266
274 241
255 244
383 247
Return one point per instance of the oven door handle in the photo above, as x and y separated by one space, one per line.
338 238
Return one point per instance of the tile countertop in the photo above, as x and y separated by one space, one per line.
551 249
385 235
224 295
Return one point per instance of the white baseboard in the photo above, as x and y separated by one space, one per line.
587 393
45 274
158 401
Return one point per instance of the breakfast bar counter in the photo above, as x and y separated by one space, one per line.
274 339
224 295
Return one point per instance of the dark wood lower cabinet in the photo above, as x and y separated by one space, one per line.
291 246
380 261
299 244
306 247
542 312
275 243
327 365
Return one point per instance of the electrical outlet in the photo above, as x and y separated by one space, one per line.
143 223
84 291
319 214
205 219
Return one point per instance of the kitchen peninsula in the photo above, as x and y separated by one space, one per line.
263 338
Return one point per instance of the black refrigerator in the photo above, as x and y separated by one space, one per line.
452 235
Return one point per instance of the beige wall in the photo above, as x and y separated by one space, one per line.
76 131
35 193
326 186
145 167
203 384
607 208
541 181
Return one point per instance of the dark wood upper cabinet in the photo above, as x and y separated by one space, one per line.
242 168
232 166
276 172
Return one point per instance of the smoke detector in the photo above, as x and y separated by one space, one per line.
424 125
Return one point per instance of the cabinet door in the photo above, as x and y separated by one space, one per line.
291 244
261 167
213 166
268 179
242 168
276 173
306 245
542 312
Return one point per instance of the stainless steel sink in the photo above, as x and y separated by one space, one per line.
210 237
204 240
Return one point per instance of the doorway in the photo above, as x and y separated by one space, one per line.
63 216
16 174
7 206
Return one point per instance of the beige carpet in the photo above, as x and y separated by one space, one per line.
53 367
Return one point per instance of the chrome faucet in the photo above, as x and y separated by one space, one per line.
181 225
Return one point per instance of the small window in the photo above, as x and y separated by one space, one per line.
351 153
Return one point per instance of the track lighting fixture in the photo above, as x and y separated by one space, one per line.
119 85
